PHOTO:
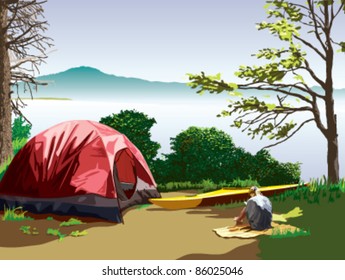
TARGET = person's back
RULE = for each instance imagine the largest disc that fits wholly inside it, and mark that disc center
(259, 212)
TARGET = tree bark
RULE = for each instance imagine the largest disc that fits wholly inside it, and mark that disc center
(332, 139)
(332, 160)
(5, 91)
(332, 134)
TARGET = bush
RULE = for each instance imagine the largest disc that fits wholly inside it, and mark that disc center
(268, 171)
(136, 126)
(198, 154)
(20, 135)
(20, 129)
(210, 154)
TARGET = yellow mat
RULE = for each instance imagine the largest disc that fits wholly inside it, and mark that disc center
(244, 231)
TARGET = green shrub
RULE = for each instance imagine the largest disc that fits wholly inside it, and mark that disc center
(210, 154)
(20, 129)
(136, 126)
(268, 171)
(177, 186)
(244, 183)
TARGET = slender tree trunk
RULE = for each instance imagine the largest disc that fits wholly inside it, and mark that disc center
(5, 91)
(333, 160)
(332, 139)
(332, 134)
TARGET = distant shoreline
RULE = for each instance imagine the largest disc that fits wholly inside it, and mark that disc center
(45, 98)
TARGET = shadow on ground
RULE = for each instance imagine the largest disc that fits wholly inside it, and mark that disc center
(13, 236)
(245, 252)
(209, 212)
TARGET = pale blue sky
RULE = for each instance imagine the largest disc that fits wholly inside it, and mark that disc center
(158, 40)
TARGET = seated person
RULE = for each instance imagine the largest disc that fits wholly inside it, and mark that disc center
(258, 211)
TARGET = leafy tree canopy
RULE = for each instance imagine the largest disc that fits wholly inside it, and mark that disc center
(136, 126)
(210, 154)
(303, 29)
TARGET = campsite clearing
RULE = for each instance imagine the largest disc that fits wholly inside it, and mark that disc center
(148, 233)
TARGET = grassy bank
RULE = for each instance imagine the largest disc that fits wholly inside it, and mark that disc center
(205, 185)
(323, 209)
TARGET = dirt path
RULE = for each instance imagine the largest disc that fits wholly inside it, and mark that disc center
(148, 233)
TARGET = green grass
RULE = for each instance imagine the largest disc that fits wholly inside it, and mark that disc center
(78, 233)
(205, 185)
(15, 214)
(4, 167)
(56, 232)
(25, 229)
(17, 144)
(28, 230)
(176, 186)
(143, 206)
(71, 222)
(323, 207)
(277, 233)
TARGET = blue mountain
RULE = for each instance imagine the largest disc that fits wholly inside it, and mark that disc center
(87, 83)
(90, 83)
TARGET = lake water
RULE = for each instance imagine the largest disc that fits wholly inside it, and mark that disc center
(307, 147)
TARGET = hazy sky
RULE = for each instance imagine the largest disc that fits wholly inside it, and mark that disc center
(158, 40)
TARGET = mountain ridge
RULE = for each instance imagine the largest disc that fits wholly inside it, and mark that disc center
(88, 83)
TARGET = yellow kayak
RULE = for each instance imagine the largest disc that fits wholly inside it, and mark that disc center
(222, 196)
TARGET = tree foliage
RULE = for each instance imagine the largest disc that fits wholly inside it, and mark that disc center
(200, 153)
(20, 129)
(303, 29)
(210, 154)
(136, 126)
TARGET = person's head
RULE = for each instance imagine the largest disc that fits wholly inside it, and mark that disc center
(253, 191)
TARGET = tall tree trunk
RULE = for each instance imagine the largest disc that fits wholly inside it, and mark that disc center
(5, 90)
(332, 134)
(332, 159)
(332, 139)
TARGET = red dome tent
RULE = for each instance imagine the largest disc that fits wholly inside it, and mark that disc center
(78, 168)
